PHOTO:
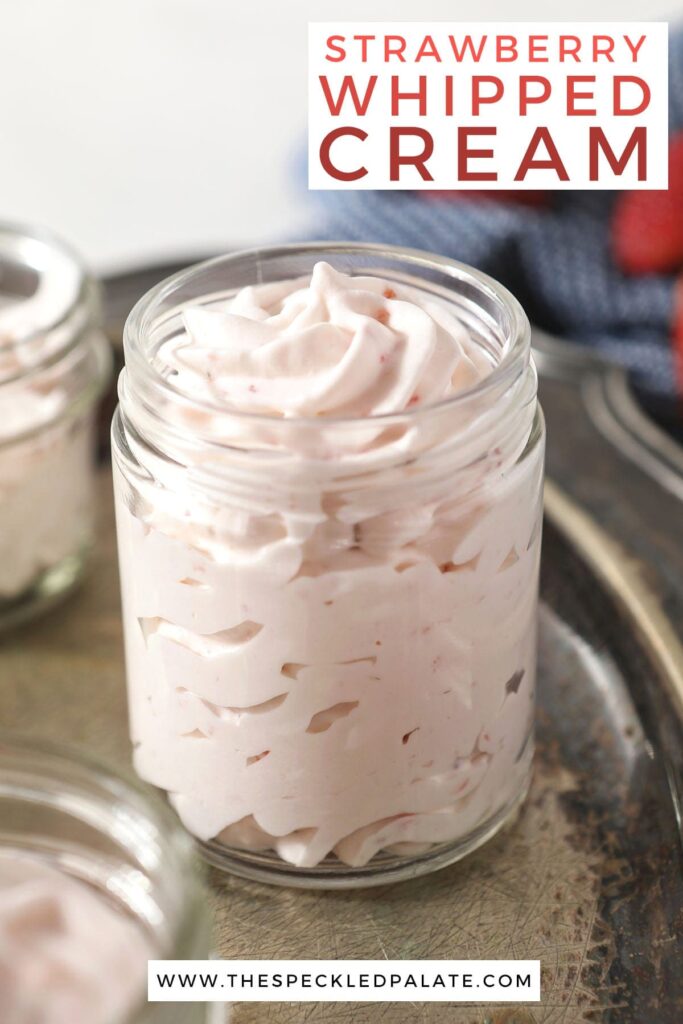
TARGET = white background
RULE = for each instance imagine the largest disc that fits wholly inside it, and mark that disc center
(158, 128)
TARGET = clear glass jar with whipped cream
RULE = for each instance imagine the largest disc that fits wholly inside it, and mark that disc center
(328, 467)
(54, 364)
(96, 877)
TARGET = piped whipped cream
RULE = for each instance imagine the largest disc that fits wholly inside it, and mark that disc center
(67, 955)
(336, 658)
(331, 345)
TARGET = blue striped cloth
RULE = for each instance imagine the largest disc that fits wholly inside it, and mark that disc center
(555, 258)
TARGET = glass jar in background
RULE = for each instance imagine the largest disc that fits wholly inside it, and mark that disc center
(54, 364)
(96, 877)
(330, 622)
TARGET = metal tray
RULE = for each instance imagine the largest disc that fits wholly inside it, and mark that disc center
(589, 878)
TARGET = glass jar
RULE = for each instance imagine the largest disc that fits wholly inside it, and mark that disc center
(330, 623)
(54, 364)
(122, 844)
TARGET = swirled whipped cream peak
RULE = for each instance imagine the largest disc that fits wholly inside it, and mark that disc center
(329, 345)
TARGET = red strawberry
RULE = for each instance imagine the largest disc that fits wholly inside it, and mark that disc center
(647, 229)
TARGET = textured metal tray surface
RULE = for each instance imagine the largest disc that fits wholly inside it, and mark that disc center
(588, 879)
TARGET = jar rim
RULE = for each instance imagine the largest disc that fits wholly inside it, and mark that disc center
(512, 363)
(67, 342)
(22, 243)
(47, 760)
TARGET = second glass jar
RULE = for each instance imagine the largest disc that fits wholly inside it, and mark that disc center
(54, 365)
(330, 623)
(96, 875)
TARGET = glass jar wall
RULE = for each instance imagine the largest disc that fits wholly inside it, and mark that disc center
(54, 364)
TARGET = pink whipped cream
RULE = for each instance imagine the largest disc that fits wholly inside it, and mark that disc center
(338, 656)
(329, 346)
(67, 955)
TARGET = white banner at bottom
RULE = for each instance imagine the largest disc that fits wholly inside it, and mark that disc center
(341, 981)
